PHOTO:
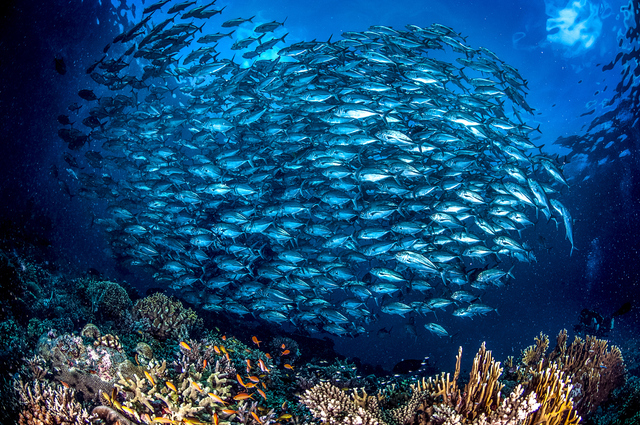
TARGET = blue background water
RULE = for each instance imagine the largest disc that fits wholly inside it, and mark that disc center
(558, 47)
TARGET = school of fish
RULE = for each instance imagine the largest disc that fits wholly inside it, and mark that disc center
(322, 185)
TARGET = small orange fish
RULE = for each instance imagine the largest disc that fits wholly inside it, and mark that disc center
(185, 346)
(282, 346)
(65, 384)
(255, 341)
(204, 364)
(288, 366)
(148, 375)
(224, 337)
(261, 393)
(267, 355)
(240, 381)
(227, 356)
(163, 420)
(248, 364)
(216, 398)
(229, 411)
(263, 367)
(197, 386)
(128, 410)
(285, 352)
(192, 421)
(145, 418)
(284, 405)
(256, 417)
(216, 419)
(171, 386)
(136, 357)
(263, 385)
(242, 396)
(253, 378)
(216, 349)
(250, 385)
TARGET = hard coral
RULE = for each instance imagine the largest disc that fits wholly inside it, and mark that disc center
(593, 370)
(108, 299)
(165, 317)
(46, 405)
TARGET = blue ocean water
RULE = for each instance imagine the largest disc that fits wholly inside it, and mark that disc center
(560, 48)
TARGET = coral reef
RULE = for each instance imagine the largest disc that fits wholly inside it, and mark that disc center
(587, 367)
(48, 405)
(545, 395)
(108, 299)
(164, 317)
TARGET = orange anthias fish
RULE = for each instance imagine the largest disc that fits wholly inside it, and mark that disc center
(282, 346)
(148, 375)
(267, 355)
(185, 345)
(171, 386)
(255, 341)
(163, 420)
(263, 367)
(240, 381)
(261, 393)
(288, 366)
(197, 386)
(285, 352)
(242, 396)
(216, 398)
(256, 417)
(216, 419)
(216, 349)
(253, 378)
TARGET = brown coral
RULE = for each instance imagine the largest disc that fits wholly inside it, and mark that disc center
(165, 317)
(592, 369)
(108, 340)
(108, 299)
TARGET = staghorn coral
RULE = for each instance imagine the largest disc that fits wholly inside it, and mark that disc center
(46, 405)
(330, 405)
(165, 317)
(159, 393)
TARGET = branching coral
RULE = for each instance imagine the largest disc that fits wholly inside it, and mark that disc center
(330, 405)
(165, 317)
(592, 369)
(46, 405)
